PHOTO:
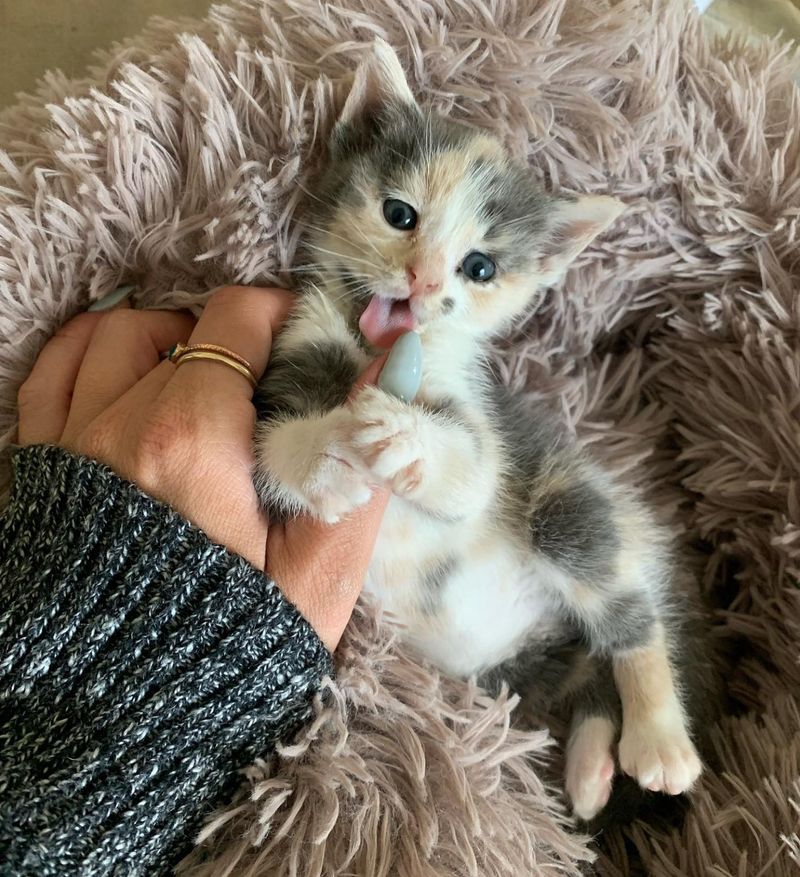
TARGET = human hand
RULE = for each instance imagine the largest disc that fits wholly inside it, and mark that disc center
(184, 436)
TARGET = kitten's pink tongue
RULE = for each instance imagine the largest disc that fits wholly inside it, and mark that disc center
(385, 320)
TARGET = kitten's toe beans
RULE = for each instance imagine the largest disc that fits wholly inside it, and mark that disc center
(387, 435)
(590, 767)
(682, 767)
(336, 486)
(660, 759)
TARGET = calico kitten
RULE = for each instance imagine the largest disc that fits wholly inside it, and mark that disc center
(503, 546)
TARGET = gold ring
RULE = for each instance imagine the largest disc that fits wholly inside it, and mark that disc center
(181, 353)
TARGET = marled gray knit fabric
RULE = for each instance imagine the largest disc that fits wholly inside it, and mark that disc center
(140, 666)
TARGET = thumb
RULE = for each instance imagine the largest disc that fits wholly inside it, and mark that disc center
(321, 567)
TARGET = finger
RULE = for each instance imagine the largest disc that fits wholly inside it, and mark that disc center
(44, 398)
(243, 320)
(141, 395)
(370, 374)
(126, 346)
(321, 567)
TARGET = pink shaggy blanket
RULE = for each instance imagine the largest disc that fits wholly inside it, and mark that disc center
(673, 347)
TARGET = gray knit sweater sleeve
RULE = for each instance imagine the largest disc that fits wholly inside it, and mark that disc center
(140, 666)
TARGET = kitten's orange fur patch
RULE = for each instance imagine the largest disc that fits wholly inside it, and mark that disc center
(644, 677)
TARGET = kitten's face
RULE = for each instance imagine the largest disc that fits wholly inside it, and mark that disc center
(424, 223)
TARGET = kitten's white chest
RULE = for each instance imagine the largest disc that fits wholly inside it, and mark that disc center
(492, 599)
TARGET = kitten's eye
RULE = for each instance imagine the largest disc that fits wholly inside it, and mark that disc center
(399, 214)
(478, 267)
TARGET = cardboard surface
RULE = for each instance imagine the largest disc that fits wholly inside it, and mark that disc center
(37, 35)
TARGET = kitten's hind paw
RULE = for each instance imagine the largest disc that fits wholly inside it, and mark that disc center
(660, 758)
(590, 766)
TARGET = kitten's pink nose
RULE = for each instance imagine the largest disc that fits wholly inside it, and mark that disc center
(422, 282)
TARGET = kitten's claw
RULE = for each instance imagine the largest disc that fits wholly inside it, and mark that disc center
(387, 434)
(659, 758)
(590, 767)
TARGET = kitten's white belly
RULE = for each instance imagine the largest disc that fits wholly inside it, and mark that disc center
(491, 602)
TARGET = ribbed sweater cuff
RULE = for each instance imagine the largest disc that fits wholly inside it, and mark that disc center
(140, 665)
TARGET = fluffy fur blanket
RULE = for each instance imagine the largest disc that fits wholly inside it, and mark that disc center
(673, 347)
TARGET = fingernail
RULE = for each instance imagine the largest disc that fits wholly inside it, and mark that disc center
(402, 374)
(113, 298)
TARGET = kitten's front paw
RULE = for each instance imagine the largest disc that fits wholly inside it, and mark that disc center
(310, 465)
(336, 484)
(388, 435)
(661, 758)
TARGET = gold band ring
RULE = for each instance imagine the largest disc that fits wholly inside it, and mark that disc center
(181, 353)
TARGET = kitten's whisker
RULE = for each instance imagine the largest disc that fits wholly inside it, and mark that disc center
(369, 241)
(366, 262)
(341, 238)
(317, 228)
(303, 189)
(517, 220)
(355, 278)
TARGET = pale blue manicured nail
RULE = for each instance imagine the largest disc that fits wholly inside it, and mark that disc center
(402, 373)
(113, 298)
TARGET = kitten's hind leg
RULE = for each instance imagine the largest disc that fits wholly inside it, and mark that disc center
(655, 748)
(614, 573)
(596, 712)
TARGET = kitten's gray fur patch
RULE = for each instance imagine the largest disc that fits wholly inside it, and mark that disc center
(528, 442)
(312, 379)
(516, 213)
(529, 437)
(597, 695)
(399, 135)
(626, 623)
(575, 530)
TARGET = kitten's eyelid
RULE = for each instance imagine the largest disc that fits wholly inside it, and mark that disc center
(394, 195)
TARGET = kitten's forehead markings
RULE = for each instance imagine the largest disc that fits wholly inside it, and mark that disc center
(449, 197)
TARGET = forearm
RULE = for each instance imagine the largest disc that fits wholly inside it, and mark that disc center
(140, 666)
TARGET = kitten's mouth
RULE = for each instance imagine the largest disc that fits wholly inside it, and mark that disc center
(385, 319)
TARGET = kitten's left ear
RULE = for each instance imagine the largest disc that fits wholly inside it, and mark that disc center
(379, 81)
(574, 225)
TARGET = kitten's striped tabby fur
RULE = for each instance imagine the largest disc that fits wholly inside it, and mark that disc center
(503, 549)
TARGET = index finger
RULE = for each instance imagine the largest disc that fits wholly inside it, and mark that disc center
(45, 397)
(241, 319)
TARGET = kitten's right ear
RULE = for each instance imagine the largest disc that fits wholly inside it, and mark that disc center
(379, 81)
